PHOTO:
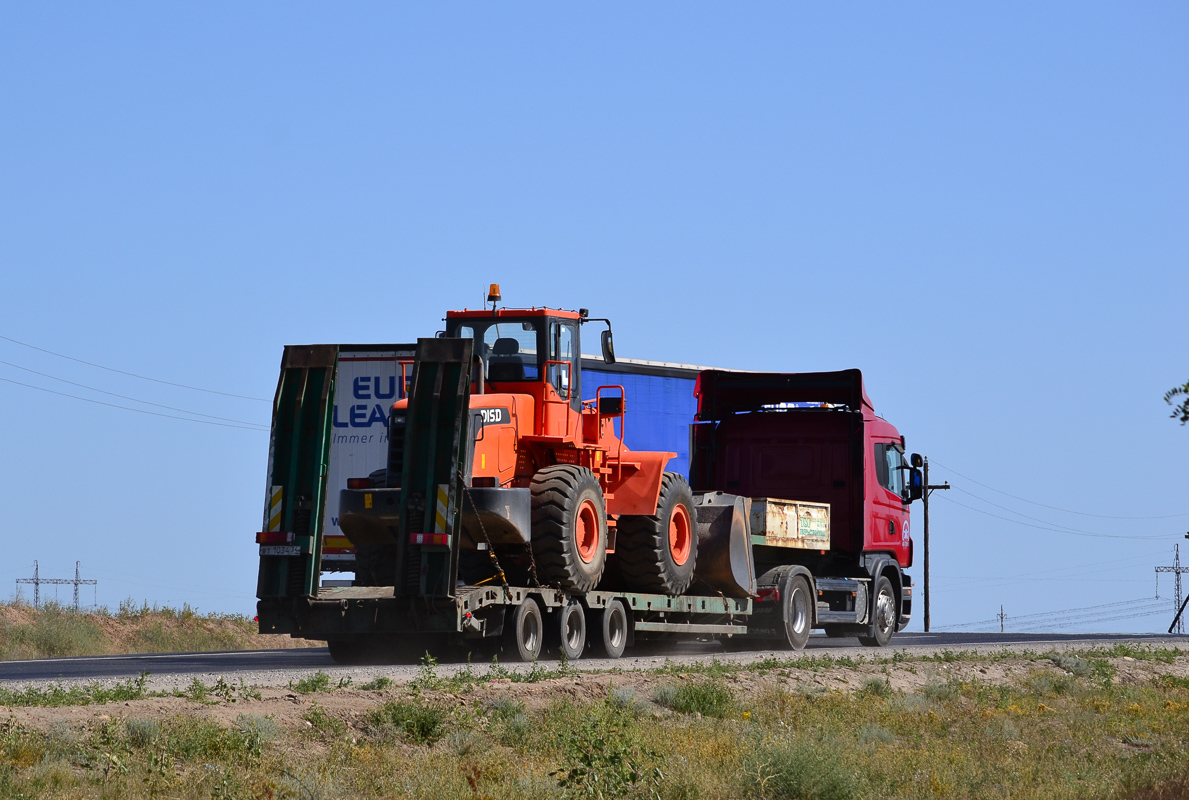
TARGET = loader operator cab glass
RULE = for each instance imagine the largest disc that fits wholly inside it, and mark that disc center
(522, 350)
(508, 348)
(562, 368)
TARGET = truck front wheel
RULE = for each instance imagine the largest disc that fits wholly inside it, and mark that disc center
(885, 615)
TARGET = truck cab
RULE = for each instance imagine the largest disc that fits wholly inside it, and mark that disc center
(815, 438)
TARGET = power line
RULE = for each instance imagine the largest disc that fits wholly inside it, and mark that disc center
(1011, 510)
(137, 410)
(131, 374)
(1054, 508)
(1041, 616)
(124, 396)
(1083, 609)
(1071, 623)
(1070, 531)
(1080, 568)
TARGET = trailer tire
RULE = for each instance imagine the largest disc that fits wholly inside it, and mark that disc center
(523, 632)
(657, 553)
(349, 651)
(569, 527)
(614, 627)
(569, 632)
(885, 615)
(796, 612)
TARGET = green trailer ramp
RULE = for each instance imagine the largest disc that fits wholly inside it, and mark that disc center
(291, 542)
(434, 469)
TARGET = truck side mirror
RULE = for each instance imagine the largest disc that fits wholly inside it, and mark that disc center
(608, 347)
(915, 488)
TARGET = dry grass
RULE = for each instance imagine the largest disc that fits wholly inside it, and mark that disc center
(1044, 728)
(55, 631)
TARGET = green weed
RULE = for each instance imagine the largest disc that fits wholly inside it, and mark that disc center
(709, 697)
(318, 682)
(797, 769)
(413, 721)
(90, 694)
(323, 722)
(605, 757)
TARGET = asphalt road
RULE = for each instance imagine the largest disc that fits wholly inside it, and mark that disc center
(270, 667)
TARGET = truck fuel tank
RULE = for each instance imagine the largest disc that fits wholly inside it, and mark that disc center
(725, 559)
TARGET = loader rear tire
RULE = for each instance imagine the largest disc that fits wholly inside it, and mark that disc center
(569, 527)
(657, 553)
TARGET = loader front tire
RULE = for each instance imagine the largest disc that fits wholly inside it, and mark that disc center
(657, 553)
(569, 527)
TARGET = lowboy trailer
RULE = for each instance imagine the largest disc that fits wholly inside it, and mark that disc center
(511, 511)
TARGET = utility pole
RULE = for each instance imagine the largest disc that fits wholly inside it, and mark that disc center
(1177, 570)
(925, 503)
(1002, 618)
(36, 581)
(80, 582)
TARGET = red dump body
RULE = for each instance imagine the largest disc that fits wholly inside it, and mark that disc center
(811, 437)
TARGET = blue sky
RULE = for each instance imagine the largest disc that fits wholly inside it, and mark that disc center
(981, 207)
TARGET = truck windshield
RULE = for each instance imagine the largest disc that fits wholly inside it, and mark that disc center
(508, 347)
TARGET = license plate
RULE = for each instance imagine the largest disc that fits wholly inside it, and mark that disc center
(280, 549)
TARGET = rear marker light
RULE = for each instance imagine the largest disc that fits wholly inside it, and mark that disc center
(274, 537)
(768, 595)
(429, 538)
(359, 483)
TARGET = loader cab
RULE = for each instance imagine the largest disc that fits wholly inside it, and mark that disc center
(525, 347)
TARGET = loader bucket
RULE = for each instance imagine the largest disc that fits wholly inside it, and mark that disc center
(725, 559)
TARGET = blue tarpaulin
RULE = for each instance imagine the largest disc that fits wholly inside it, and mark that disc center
(658, 411)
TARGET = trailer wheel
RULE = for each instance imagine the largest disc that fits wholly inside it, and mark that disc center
(570, 632)
(569, 527)
(348, 651)
(657, 553)
(885, 615)
(796, 615)
(612, 624)
(522, 634)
